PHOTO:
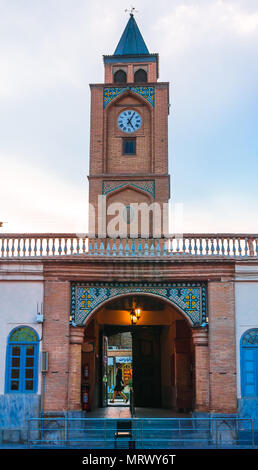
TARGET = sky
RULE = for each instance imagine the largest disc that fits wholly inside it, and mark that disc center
(50, 50)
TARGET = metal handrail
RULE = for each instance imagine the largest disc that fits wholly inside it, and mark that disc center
(146, 432)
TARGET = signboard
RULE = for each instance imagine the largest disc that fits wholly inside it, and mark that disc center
(123, 359)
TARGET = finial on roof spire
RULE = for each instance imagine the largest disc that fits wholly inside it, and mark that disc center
(131, 41)
(132, 11)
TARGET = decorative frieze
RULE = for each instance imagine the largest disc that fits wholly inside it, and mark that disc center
(189, 297)
(147, 92)
(148, 186)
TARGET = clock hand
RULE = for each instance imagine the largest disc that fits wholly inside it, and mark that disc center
(131, 117)
(129, 120)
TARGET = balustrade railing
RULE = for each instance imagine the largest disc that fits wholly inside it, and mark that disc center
(13, 245)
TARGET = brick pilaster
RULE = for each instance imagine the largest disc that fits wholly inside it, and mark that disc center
(223, 394)
(75, 364)
(200, 341)
(56, 342)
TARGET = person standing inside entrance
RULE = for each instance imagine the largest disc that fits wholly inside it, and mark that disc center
(119, 385)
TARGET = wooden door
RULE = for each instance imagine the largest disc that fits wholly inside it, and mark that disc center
(146, 367)
(184, 385)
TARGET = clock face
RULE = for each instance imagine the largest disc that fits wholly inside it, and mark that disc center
(129, 121)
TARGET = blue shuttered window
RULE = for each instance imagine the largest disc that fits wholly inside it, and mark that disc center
(22, 361)
(249, 363)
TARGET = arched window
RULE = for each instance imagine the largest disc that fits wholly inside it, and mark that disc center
(249, 363)
(120, 77)
(140, 76)
(22, 361)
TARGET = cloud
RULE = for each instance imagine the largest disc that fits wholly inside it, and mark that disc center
(52, 44)
(204, 23)
(50, 52)
(37, 201)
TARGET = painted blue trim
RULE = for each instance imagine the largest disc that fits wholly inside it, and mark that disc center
(129, 59)
(22, 363)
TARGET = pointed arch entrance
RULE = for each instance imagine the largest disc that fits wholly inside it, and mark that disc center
(160, 356)
(163, 349)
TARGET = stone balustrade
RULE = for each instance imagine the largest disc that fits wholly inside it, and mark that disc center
(48, 245)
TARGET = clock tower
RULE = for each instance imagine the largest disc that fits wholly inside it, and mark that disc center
(129, 142)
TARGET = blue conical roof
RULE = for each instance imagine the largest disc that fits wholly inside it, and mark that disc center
(131, 41)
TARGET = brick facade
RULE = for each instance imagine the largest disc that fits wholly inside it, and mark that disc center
(213, 347)
(107, 161)
(56, 342)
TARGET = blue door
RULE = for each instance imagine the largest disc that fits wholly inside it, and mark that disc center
(249, 363)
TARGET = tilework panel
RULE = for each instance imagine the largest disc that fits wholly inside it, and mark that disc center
(148, 186)
(146, 92)
(189, 297)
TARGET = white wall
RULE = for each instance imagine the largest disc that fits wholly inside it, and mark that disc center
(246, 305)
(21, 289)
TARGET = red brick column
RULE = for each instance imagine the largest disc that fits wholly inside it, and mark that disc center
(221, 307)
(75, 364)
(56, 342)
(200, 341)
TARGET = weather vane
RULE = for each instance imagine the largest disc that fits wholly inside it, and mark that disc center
(132, 11)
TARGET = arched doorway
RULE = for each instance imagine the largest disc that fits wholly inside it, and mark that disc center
(161, 353)
(249, 363)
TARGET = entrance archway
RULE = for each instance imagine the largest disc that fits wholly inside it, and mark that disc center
(162, 353)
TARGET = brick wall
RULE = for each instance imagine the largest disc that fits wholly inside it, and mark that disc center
(121, 340)
(222, 347)
(129, 69)
(56, 342)
(106, 157)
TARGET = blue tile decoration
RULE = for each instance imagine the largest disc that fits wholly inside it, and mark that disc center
(147, 92)
(148, 186)
(190, 297)
(110, 93)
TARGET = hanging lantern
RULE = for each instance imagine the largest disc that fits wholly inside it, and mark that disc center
(138, 312)
(133, 317)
